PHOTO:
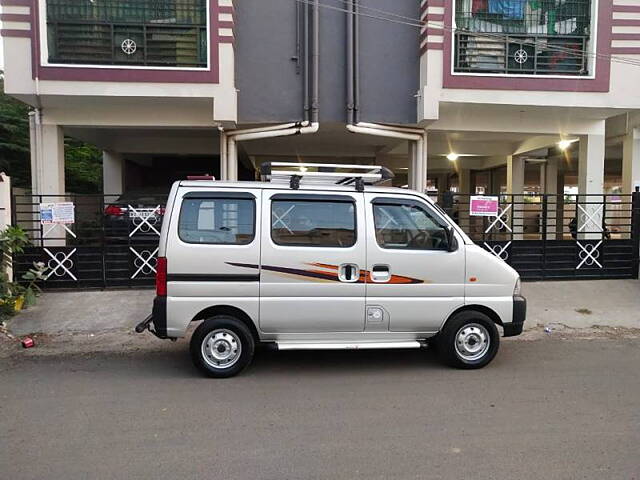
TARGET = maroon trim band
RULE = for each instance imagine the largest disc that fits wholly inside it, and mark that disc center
(431, 46)
(626, 8)
(625, 22)
(15, 17)
(16, 3)
(225, 24)
(15, 33)
(625, 36)
(625, 50)
(434, 17)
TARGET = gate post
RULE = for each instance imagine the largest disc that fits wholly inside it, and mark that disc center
(635, 230)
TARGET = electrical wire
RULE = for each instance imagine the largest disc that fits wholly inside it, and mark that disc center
(417, 23)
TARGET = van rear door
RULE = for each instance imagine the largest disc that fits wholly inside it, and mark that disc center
(313, 251)
(214, 248)
(415, 281)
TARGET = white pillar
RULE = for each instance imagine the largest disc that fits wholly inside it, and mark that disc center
(47, 157)
(47, 174)
(412, 166)
(232, 157)
(515, 189)
(5, 211)
(223, 156)
(631, 161)
(5, 201)
(112, 174)
(423, 164)
(551, 189)
(590, 182)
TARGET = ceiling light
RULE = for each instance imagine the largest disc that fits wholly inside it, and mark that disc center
(303, 169)
(453, 156)
(564, 144)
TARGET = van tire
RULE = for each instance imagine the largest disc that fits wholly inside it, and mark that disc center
(471, 330)
(231, 335)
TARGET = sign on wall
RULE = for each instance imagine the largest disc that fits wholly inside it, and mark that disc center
(483, 206)
(57, 213)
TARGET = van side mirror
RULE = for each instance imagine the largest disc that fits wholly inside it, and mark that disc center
(452, 244)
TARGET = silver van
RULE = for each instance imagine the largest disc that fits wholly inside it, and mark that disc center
(320, 258)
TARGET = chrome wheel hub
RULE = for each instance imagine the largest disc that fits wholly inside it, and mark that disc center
(472, 342)
(221, 348)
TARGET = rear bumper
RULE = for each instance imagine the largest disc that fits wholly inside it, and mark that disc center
(519, 314)
(156, 323)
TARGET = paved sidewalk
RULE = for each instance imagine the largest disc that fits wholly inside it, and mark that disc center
(579, 304)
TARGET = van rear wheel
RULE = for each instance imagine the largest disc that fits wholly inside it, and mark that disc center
(468, 340)
(222, 346)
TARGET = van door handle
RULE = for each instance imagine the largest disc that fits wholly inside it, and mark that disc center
(381, 273)
(349, 273)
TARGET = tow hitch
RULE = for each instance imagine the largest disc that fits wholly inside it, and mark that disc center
(144, 325)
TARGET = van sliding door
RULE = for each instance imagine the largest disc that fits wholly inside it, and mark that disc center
(312, 259)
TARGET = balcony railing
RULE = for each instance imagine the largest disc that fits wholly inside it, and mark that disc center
(541, 37)
(170, 33)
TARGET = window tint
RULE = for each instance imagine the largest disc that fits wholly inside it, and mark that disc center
(313, 223)
(408, 226)
(225, 221)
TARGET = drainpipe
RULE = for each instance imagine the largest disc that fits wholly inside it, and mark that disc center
(315, 99)
(236, 136)
(223, 153)
(307, 107)
(287, 129)
(350, 64)
(417, 135)
(356, 59)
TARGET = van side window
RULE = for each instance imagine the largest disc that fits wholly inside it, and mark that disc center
(313, 223)
(407, 226)
(218, 221)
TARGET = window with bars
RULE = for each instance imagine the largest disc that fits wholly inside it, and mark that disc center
(523, 37)
(159, 33)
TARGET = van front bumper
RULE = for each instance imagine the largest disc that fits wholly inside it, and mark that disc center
(519, 314)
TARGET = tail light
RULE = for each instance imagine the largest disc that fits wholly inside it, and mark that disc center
(161, 277)
(114, 210)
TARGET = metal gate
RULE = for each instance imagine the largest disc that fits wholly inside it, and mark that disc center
(557, 237)
(544, 237)
(110, 243)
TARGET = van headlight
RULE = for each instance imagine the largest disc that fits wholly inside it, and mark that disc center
(516, 289)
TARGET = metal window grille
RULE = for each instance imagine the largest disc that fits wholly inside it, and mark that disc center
(535, 37)
(120, 32)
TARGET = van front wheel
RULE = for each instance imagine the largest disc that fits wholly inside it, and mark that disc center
(468, 340)
(222, 346)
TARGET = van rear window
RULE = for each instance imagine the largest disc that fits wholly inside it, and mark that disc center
(313, 223)
(217, 221)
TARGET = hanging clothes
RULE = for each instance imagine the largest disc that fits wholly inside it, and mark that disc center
(509, 9)
(479, 6)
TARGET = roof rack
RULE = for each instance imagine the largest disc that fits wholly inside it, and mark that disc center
(296, 174)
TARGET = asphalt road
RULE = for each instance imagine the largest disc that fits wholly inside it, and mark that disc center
(545, 409)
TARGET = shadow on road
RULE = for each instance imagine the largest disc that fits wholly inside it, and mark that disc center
(174, 362)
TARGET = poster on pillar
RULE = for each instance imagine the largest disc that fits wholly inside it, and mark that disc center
(483, 206)
(57, 213)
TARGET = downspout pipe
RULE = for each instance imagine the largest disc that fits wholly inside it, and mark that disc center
(350, 63)
(417, 135)
(287, 129)
(356, 60)
(315, 95)
(233, 138)
(307, 79)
